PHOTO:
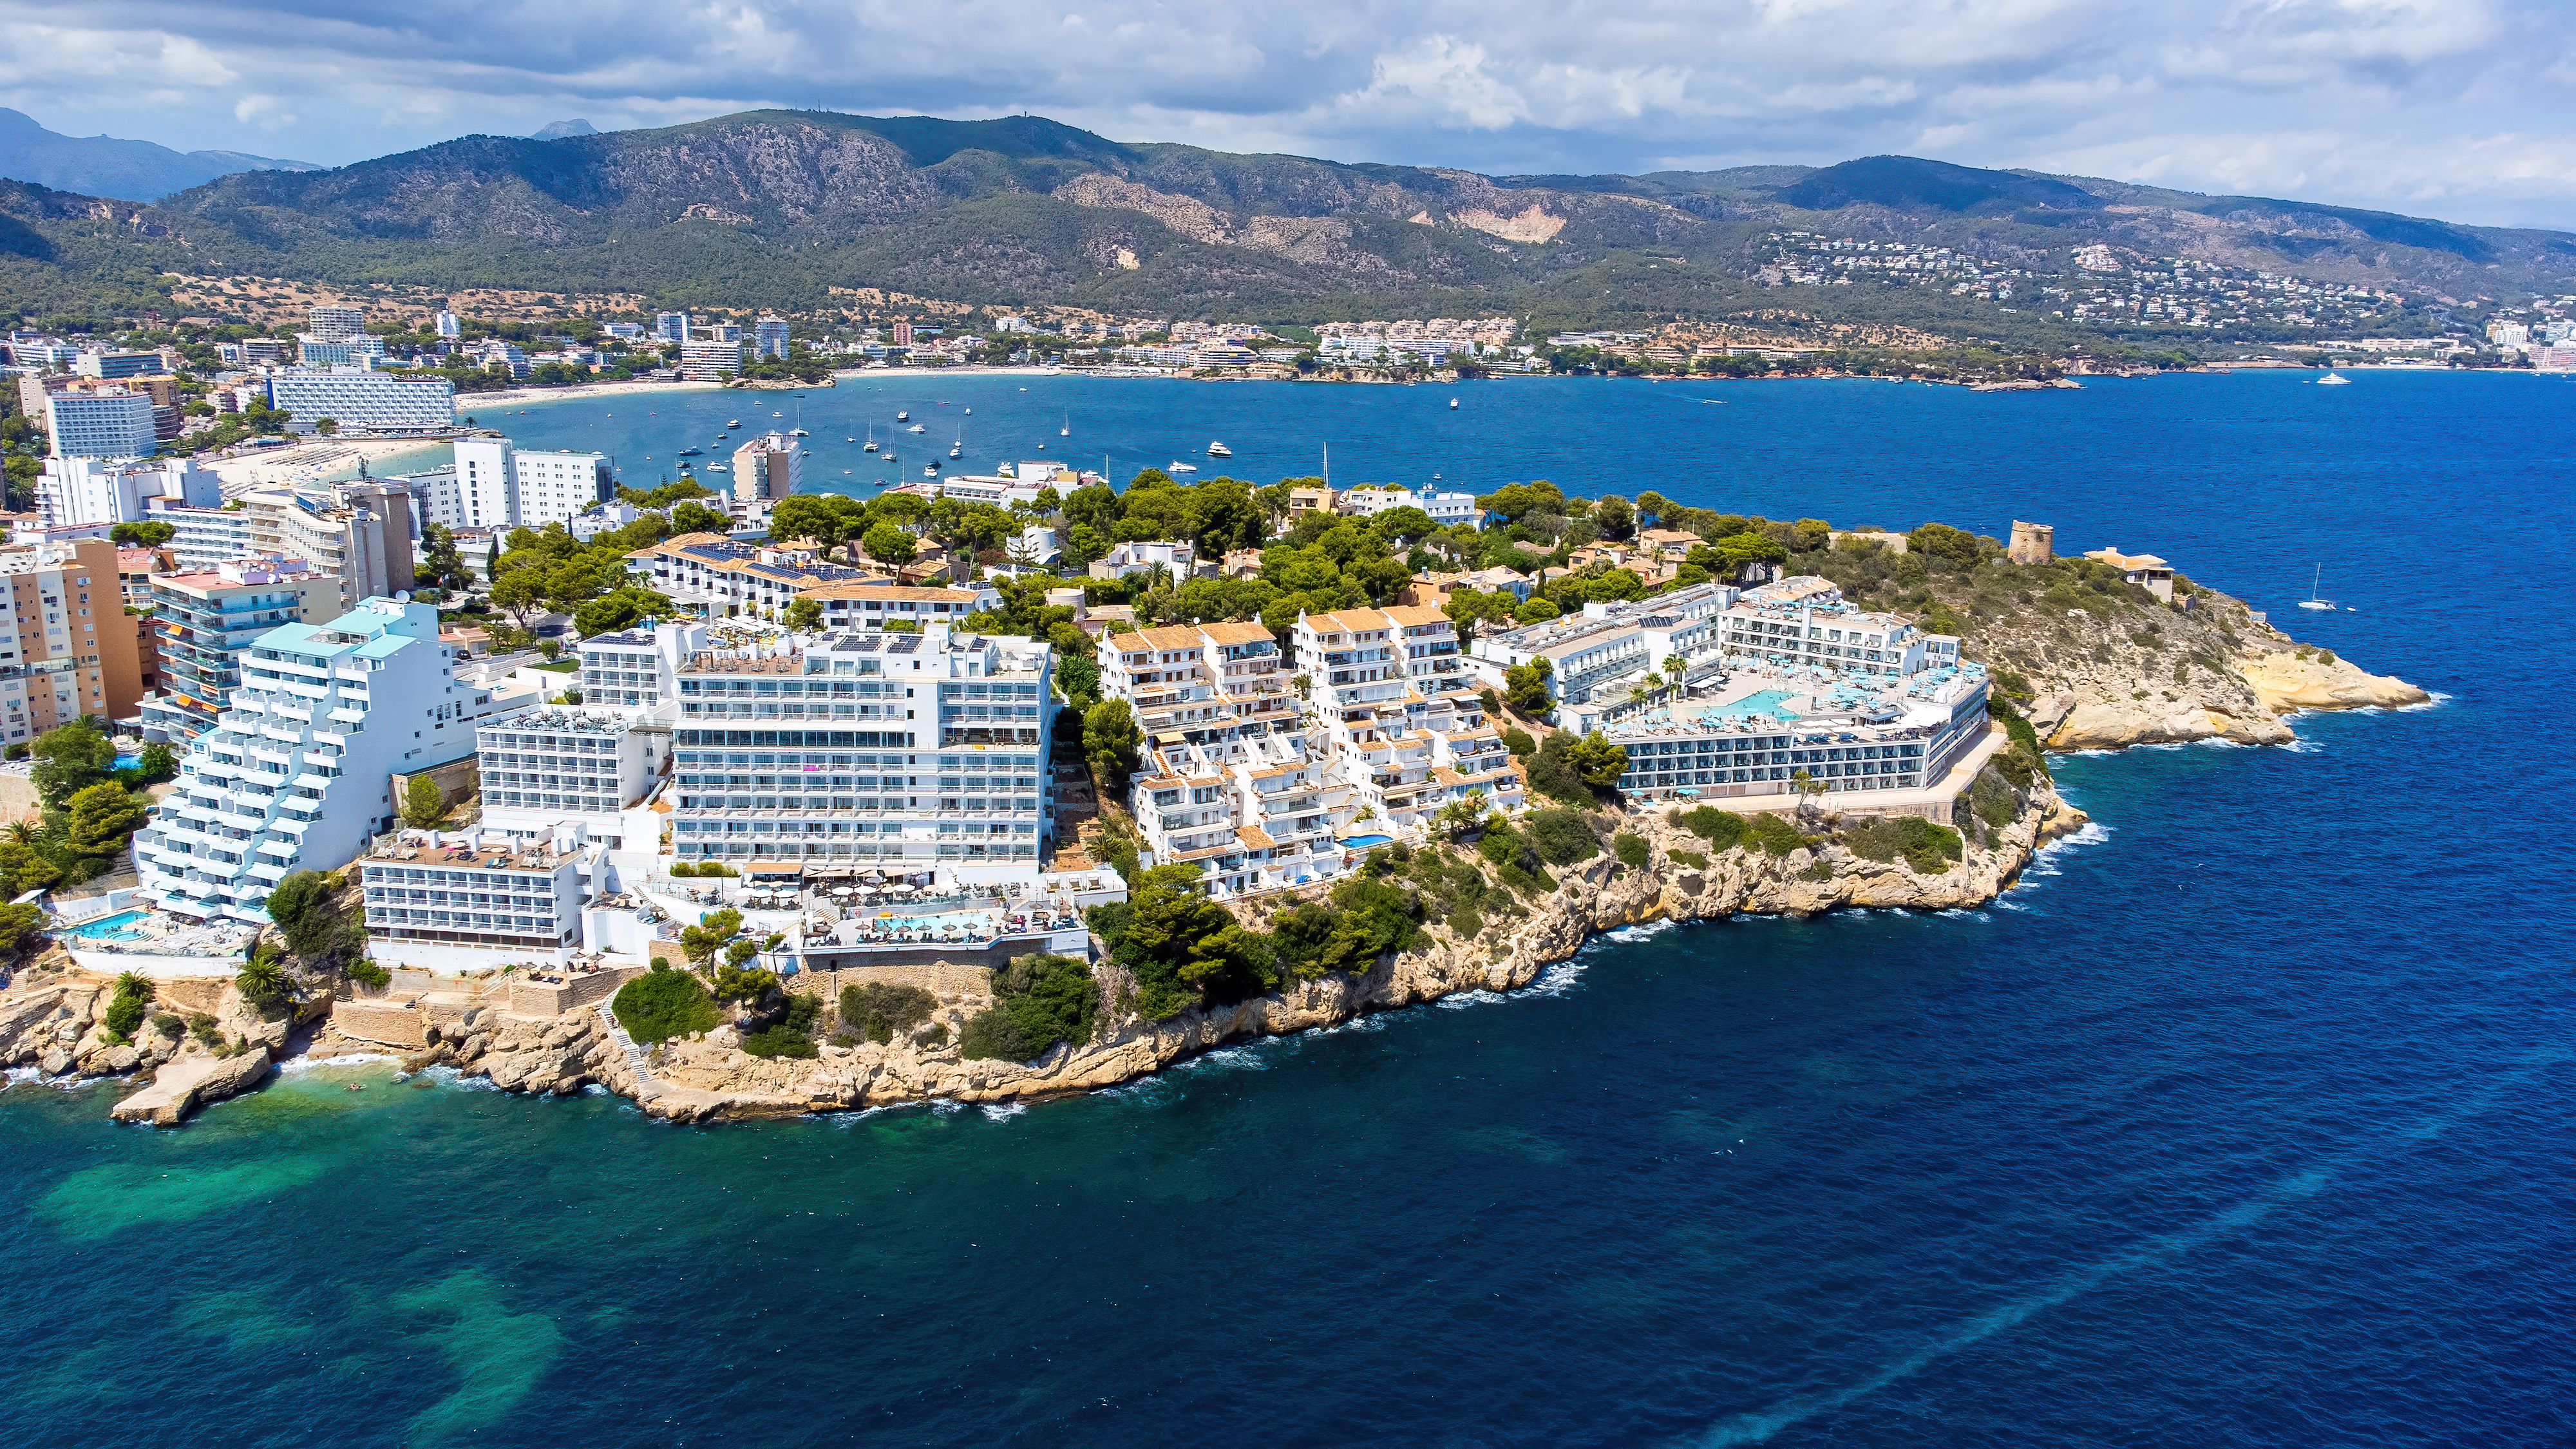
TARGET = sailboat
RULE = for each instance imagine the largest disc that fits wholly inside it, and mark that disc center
(958, 449)
(871, 445)
(2312, 601)
(1067, 430)
(797, 431)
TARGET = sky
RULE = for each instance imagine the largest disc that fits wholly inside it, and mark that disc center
(2461, 109)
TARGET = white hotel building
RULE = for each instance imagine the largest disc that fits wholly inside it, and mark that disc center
(296, 774)
(363, 401)
(906, 752)
(495, 485)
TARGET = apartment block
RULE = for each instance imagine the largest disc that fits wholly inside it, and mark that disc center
(76, 491)
(70, 644)
(203, 623)
(297, 773)
(454, 909)
(365, 401)
(359, 533)
(908, 751)
(1597, 655)
(767, 468)
(710, 361)
(101, 423)
(553, 768)
(496, 485)
(637, 669)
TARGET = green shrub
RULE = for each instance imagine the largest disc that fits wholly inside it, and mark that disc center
(683, 870)
(1691, 858)
(880, 1009)
(164, 1024)
(1818, 869)
(781, 1040)
(1561, 835)
(1524, 880)
(1517, 741)
(368, 973)
(1039, 1001)
(662, 1004)
(203, 1028)
(1928, 849)
(2325, 656)
(1466, 922)
(1365, 920)
(734, 983)
(125, 1014)
(1991, 800)
(1722, 829)
(1773, 833)
(1631, 849)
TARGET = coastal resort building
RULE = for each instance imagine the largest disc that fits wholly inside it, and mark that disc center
(205, 622)
(2143, 569)
(899, 752)
(297, 773)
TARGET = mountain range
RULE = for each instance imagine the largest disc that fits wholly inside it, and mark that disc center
(791, 209)
(107, 167)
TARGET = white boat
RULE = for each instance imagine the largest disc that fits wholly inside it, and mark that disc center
(872, 439)
(1219, 450)
(2312, 601)
(970, 412)
(958, 449)
(2333, 379)
(930, 469)
(903, 417)
(1179, 467)
(1453, 404)
(916, 428)
(1067, 430)
(733, 422)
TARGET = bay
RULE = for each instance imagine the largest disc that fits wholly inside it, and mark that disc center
(2240, 1123)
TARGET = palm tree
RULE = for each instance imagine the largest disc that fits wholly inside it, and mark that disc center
(21, 832)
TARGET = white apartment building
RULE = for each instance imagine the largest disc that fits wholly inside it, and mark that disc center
(1398, 715)
(497, 900)
(637, 669)
(203, 538)
(104, 423)
(297, 773)
(671, 326)
(337, 324)
(448, 325)
(359, 533)
(496, 485)
(1179, 556)
(553, 768)
(363, 401)
(710, 361)
(1804, 624)
(76, 491)
(1594, 654)
(1445, 509)
(909, 752)
(769, 338)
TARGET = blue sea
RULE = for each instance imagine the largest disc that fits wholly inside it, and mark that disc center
(2243, 1121)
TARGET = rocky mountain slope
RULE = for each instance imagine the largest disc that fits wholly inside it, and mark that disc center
(779, 208)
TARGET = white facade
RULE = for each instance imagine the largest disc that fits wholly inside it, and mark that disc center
(498, 901)
(496, 485)
(709, 361)
(204, 537)
(1593, 654)
(636, 669)
(296, 775)
(337, 324)
(107, 423)
(77, 491)
(359, 533)
(769, 338)
(671, 326)
(448, 326)
(912, 752)
(549, 768)
(1179, 556)
(365, 402)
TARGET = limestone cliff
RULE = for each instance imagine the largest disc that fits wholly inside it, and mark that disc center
(711, 1078)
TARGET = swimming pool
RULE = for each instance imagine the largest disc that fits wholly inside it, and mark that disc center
(127, 762)
(119, 927)
(1769, 701)
(1364, 842)
(973, 923)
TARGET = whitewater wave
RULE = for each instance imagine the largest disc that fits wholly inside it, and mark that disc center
(447, 1076)
(1461, 1000)
(1005, 1111)
(295, 1066)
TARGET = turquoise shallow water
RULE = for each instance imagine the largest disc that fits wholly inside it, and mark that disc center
(2241, 1123)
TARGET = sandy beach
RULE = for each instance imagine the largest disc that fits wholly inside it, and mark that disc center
(320, 458)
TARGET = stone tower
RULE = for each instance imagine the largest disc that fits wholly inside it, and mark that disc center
(2033, 543)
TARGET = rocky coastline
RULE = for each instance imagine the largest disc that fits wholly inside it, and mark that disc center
(711, 1078)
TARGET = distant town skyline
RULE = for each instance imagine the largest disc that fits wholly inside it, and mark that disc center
(2458, 110)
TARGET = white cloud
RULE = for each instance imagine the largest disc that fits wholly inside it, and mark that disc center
(2460, 104)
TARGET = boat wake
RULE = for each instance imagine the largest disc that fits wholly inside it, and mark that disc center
(1754, 1428)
